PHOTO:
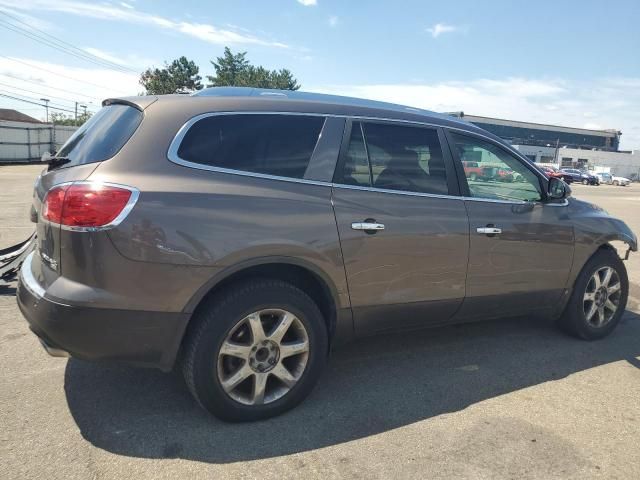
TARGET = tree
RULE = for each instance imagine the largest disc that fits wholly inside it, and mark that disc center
(59, 118)
(235, 70)
(179, 76)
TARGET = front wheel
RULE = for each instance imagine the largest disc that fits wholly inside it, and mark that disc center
(256, 351)
(599, 297)
(585, 182)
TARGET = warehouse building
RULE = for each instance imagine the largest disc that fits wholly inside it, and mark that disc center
(596, 150)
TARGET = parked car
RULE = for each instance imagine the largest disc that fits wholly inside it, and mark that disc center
(554, 172)
(605, 178)
(621, 181)
(581, 176)
(473, 171)
(240, 234)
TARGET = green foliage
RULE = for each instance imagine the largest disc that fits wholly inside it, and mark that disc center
(235, 70)
(59, 118)
(179, 76)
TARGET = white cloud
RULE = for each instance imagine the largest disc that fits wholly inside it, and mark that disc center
(333, 21)
(608, 103)
(126, 5)
(308, 3)
(59, 82)
(202, 31)
(440, 28)
(104, 55)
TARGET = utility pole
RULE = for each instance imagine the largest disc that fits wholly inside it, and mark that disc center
(46, 107)
(84, 114)
(75, 117)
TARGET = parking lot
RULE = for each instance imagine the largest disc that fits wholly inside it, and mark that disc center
(504, 399)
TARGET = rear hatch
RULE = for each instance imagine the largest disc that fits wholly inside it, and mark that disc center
(99, 139)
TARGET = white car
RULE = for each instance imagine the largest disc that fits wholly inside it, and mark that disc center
(609, 179)
(622, 181)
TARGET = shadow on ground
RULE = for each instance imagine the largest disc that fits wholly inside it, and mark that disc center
(369, 387)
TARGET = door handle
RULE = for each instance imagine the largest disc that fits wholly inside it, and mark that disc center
(367, 226)
(489, 230)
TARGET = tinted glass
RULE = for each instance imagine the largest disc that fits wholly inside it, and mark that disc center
(102, 136)
(499, 175)
(405, 158)
(269, 144)
(356, 165)
(400, 158)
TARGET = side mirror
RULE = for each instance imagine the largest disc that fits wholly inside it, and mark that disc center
(557, 189)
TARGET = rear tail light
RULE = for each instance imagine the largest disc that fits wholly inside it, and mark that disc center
(88, 205)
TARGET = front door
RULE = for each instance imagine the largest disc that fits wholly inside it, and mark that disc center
(404, 238)
(521, 247)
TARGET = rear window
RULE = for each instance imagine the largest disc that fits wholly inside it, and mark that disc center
(102, 136)
(279, 145)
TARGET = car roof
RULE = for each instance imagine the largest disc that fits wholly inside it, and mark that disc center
(259, 99)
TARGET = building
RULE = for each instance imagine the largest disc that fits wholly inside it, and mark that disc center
(596, 150)
(9, 115)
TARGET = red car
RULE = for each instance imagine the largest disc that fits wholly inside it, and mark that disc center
(472, 170)
(554, 172)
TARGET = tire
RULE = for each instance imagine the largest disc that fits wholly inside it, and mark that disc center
(228, 318)
(473, 177)
(585, 182)
(574, 320)
(616, 183)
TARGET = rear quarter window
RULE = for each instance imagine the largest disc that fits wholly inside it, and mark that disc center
(279, 145)
(102, 136)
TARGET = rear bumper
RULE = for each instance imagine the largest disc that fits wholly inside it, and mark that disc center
(132, 336)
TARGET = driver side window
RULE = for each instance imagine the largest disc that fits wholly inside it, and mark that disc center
(493, 173)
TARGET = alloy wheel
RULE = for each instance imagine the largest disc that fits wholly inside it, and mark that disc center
(602, 297)
(263, 357)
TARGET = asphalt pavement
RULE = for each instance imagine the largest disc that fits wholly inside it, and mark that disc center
(503, 399)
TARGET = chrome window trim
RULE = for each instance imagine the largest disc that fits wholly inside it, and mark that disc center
(172, 154)
(28, 280)
(133, 199)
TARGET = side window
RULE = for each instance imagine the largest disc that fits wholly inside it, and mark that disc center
(395, 157)
(279, 145)
(493, 173)
(356, 164)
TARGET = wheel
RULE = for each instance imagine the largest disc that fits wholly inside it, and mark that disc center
(616, 183)
(599, 297)
(585, 182)
(256, 350)
(473, 177)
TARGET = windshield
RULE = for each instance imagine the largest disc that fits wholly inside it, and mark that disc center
(102, 136)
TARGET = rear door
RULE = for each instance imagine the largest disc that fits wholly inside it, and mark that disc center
(404, 234)
(521, 247)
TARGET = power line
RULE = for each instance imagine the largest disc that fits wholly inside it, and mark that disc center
(37, 93)
(65, 44)
(35, 99)
(82, 56)
(56, 73)
(49, 87)
(35, 103)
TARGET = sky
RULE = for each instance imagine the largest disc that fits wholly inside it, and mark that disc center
(574, 63)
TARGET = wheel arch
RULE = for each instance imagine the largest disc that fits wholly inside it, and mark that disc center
(312, 280)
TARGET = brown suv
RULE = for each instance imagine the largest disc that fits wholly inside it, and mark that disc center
(241, 233)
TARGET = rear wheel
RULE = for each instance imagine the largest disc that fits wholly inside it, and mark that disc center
(256, 351)
(599, 297)
(585, 182)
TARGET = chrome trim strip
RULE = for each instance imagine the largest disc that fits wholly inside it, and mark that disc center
(172, 154)
(133, 199)
(28, 280)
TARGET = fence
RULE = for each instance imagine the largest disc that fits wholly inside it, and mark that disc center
(26, 142)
